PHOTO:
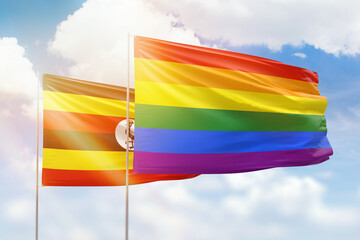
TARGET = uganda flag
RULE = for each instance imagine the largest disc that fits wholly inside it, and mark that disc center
(79, 145)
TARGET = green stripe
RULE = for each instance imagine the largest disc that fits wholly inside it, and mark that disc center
(164, 117)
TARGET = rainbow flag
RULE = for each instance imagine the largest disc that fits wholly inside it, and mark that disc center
(202, 110)
(79, 145)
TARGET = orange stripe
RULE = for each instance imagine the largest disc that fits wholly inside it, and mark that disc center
(195, 75)
(56, 177)
(176, 52)
(80, 122)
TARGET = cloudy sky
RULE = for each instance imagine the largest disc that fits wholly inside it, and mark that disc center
(87, 40)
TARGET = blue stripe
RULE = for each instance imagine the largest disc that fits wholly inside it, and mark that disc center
(193, 141)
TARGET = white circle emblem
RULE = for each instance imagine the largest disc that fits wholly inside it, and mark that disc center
(121, 133)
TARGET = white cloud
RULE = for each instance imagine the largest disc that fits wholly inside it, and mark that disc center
(275, 204)
(95, 37)
(286, 195)
(81, 233)
(18, 210)
(179, 194)
(18, 110)
(19, 163)
(30, 109)
(271, 202)
(326, 175)
(24, 160)
(300, 55)
(16, 75)
(6, 112)
(18, 80)
(331, 25)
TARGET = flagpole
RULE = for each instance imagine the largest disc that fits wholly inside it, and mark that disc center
(37, 161)
(127, 146)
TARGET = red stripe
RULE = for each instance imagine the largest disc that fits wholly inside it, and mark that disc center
(56, 177)
(80, 122)
(176, 52)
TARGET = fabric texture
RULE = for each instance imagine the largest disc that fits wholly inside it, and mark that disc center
(79, 143)
(201, 110)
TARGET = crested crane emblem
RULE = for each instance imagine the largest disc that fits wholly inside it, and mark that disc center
(121, 133)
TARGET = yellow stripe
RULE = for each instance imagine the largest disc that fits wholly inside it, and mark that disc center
(164, 94)
(195, 75)
(85, 160)
(68, 102)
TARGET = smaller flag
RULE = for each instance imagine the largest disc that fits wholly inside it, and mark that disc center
(79, 141)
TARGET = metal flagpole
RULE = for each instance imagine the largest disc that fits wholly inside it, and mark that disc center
(127, 146)
(37, 162)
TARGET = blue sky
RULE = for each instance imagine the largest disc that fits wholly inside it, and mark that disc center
(87, 40)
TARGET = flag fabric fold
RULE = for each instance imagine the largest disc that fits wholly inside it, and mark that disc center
(202, 110)
(79, 143)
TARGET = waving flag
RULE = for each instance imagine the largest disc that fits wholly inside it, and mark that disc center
(202, 110)
(80, 148)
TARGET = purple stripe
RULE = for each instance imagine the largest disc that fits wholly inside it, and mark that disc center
(173, 163)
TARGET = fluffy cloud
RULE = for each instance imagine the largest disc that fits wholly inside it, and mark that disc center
(18, 109)
(16, 75)
(268, 204)
(331, 25)
(95, 37)
(18, 81)
(286, 196)
(300, 55)
(18, 210)
(271, 202)
(82, 233)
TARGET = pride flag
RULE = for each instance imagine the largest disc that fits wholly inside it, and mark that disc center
(202, 110)
(79, 147)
